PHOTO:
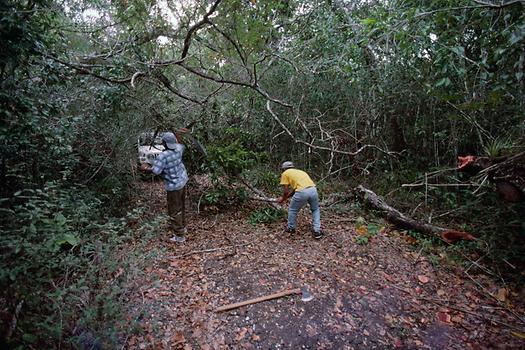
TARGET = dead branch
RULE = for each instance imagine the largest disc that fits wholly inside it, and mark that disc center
(488, 293)
(334, 198)
(441, 185)
(514, 158)
(395, 216)
(263, 199)
(296, 140)
(259, 299)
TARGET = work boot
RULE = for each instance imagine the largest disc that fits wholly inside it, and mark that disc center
(290, 230)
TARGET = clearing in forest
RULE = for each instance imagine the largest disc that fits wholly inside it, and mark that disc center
(380, 294)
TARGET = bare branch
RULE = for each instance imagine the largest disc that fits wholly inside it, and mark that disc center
(238, 83)
(237, 48)
(166, 83)
(205, 20)
(330, 149)
(498, 6)
(84, 70)
(135, 76)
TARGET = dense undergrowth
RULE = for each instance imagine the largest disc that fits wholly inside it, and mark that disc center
(498, 226)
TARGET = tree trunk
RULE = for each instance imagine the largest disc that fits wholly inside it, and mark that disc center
(399, 219)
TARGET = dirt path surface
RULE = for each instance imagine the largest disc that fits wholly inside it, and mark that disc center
(381, 295)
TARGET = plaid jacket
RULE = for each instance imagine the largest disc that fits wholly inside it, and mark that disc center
(169, 165)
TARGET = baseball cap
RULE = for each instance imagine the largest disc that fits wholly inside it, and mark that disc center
(170, 140)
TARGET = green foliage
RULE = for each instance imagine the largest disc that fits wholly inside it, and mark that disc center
(365, 232)
(266, 216)
(498, 148)
(265, 179)
(58, 239)
(57, 254)
(233, 153)
(232, 159)
(361, 240)
(227, 160)
(373, 229)
(219, 195)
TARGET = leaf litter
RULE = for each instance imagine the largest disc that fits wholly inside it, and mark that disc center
(370, 296)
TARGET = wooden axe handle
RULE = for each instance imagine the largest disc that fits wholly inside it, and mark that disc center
(259, 299)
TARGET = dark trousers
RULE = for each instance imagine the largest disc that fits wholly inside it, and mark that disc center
(176, 210)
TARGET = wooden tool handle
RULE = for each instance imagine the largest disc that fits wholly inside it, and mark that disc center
(259, 299)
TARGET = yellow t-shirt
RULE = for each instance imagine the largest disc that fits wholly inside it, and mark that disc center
(296, 179)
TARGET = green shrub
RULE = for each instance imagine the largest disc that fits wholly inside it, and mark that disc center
(58, 252)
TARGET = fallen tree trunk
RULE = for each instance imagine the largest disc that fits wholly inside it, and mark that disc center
(396, 217)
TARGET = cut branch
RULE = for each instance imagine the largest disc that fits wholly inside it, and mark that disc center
(261, 196)
(396, 217)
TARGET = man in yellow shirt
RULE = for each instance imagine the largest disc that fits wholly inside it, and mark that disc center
(298, 185)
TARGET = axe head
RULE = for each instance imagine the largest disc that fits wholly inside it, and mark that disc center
(305, 294)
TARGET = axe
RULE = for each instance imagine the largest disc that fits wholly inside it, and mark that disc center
(305, 296)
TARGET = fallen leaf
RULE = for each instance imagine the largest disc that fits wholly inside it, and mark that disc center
(338, 304)
(502, 294)
(362, 230)
(178, 338)
(255, 337)
(457, 319)
(423, 279)
(241, 334)
(444, 317)
(311, 331)
(440, 292)
(410, 239)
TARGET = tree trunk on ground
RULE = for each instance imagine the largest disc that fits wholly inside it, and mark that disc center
(399, 219)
